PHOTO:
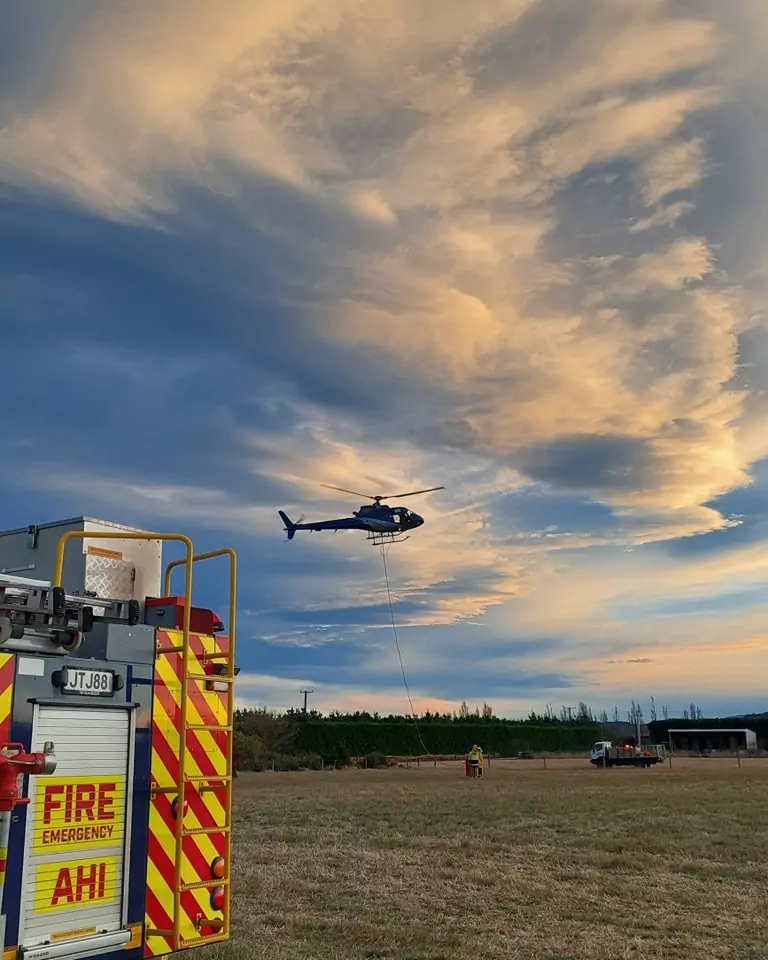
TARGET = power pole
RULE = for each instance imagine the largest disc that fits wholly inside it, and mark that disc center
(306, 693)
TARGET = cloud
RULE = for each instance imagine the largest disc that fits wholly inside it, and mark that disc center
(665, 216)
(615, 128)
(678, 165)
(633, 660)
(671, 268)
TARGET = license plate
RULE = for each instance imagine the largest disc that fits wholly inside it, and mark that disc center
(93, 683)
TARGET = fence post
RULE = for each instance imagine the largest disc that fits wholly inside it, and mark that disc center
(365, 761)
(545, 761)
(670, 759)
(322, 765)
(738, 756)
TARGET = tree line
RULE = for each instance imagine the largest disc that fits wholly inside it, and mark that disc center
(297, 739)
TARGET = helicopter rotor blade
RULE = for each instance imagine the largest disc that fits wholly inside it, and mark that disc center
(397, 496)
(354, 493)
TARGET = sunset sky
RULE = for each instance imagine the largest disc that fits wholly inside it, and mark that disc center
(518, 248)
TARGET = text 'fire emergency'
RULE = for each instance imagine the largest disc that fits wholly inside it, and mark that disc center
(79, 811)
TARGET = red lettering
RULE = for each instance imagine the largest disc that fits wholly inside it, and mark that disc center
(87, 881)
(102, 880)
(68, 808)
(85, 801)
(49, 803)
(63, 888)
(106, 799)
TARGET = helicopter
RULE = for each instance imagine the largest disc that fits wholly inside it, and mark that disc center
(381, 522)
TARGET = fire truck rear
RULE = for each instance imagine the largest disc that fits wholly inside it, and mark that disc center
(116, 706)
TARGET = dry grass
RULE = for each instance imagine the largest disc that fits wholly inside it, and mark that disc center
(570, 863)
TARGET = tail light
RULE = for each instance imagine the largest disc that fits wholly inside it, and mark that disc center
(217, 898)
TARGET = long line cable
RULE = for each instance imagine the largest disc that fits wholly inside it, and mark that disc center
(399, 652)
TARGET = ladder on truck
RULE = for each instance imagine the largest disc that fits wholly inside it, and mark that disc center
(183, 782)
(203, 784)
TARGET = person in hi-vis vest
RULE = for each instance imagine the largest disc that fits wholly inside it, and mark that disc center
(476, 761)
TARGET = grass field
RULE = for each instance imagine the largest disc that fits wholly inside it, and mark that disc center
(568, 862)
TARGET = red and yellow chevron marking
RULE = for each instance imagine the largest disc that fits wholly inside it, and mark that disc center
(206, 757)
(7, 674)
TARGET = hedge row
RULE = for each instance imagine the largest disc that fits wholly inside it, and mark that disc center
(329, 737)
(261, 737)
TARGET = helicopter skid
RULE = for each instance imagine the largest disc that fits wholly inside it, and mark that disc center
(379, 539)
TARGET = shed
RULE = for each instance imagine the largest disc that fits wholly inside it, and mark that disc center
(713, 738)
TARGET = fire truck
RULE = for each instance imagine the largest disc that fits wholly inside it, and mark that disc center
(116, 713)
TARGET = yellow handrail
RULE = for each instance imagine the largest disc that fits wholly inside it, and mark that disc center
(131, 535)
(225, 551)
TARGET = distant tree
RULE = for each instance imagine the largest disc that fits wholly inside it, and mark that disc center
(699, 713)
(271, 732)
(487, 711)
(654, 715)
(476, 713)
(583, 713)
(665, 712)
(603, 716)
(685, 714)
(616, 716)
(464, 710)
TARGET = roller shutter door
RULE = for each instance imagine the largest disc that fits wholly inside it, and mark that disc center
(77, 828)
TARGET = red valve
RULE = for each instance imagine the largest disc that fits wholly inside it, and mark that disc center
(11, 768)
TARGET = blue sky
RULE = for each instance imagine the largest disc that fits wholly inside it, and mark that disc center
(517, 249)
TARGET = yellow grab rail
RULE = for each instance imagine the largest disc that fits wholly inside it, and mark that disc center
(229, 552)
(225, 551)
(131, 535)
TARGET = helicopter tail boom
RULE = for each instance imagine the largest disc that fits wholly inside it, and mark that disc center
(290, 526)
